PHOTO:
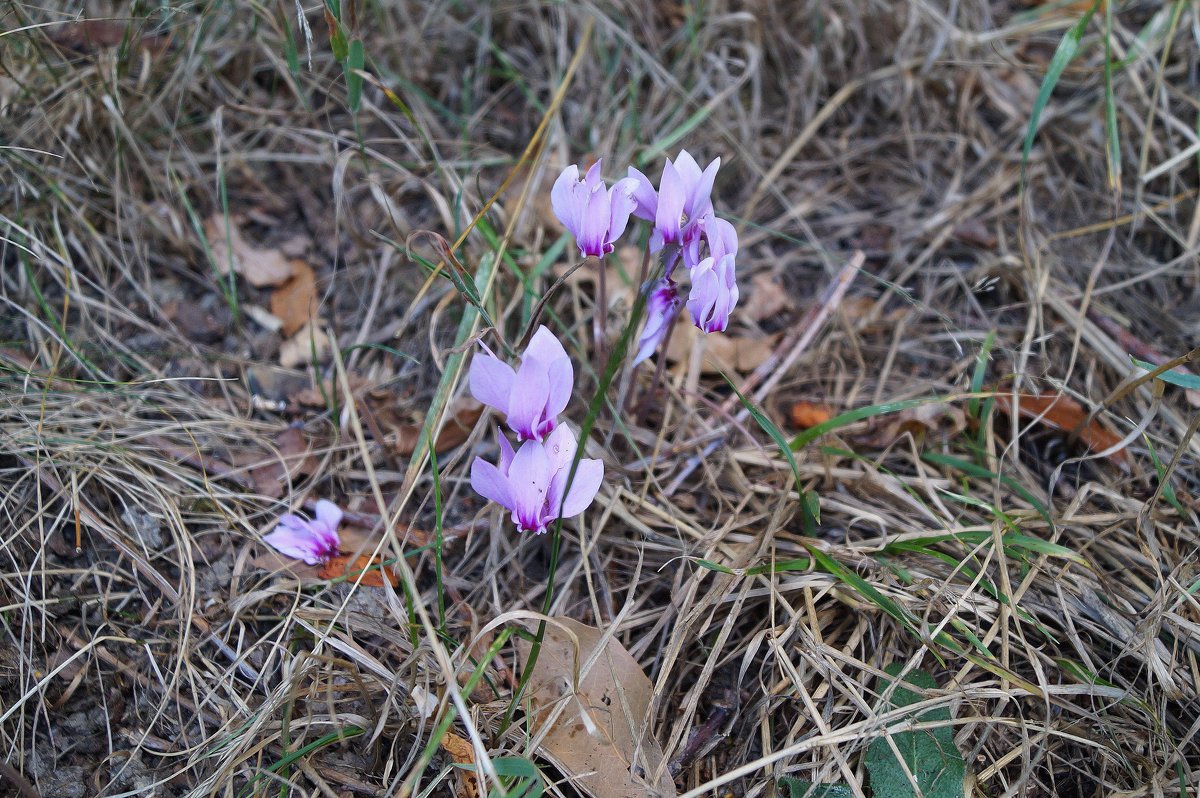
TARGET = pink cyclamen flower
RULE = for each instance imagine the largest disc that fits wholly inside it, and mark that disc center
(662, 304)
(533, 395)
(714, 293)
(532, 482)
(313, 541)
(595, 215)
(719, 235)
(683, 196)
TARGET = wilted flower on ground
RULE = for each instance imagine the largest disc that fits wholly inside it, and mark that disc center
(532, 483)
(662, 303)
(683, 196)
(594, 214)
(714, 293)
(313, 541)
(532, 396)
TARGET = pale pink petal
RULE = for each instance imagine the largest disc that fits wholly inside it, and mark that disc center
(583, 488)
(687, 168)
(329, 514)
(545, 347)
(527, 402)
(593, 225)
(644, 196)
(722, 237)
(593, 178)
(662, 303)
(621, 205)
(528, 480)
(292, 543)
(491, 381)
(561, 376)
(490, 483)
(670, 205)
(698, 200)
(560, 447)
(562, 198)
(506, 451)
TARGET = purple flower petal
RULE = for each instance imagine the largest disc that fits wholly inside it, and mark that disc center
(584, 487)
(546, 347)
(662, 303)
(644, 196)
(289, 542)
(562, 197)
(490, 483)
(669, 215)
(527, 402)
(528, 480)
(506, 452)
(699, 199)
(561, 376)
(560, 447)
(621, 204)
(491, 381)
(329, 514)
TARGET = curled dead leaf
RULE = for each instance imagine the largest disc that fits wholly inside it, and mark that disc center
(260, 267)
(460, 750)
(295, 459)
(349, 567)
(1062, 413)
(309, 344)
(809, 414)
(464, 412)
(295, 302)
(596, 703)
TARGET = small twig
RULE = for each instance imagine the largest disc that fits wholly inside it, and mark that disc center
(22, 784)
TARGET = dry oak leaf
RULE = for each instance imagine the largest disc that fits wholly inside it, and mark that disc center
(260, 267)
(295, 302)
(1063, 413)
(348, 567)
(309, 344)
(722, 353)
(462, 753)
(597, 704)
(464, 412)
(295, 459)
(768, 298)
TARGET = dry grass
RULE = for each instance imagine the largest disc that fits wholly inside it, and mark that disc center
(162, 657)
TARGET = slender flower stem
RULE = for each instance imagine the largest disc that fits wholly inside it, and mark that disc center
(600, 314)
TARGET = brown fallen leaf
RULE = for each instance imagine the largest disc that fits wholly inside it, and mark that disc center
(349, 567)
(295, 459)
(600, 738)
(260, 267)
(310, 343)
(90, 35)
(809, 414)
(464, 412)
(767, 298)
(460, 750)
(1063, 413)
(920, 420)
(722, 352)
(295, 302)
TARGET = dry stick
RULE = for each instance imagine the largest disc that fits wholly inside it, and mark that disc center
(773, 368)
(23, 786)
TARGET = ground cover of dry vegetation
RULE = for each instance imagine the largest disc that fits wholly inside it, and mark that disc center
(1026, 537)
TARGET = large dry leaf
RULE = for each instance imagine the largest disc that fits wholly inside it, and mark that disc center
(601, 738)
(260, 267)
(311, 343)
(1066, 415)
(722, 352)
(295, 302)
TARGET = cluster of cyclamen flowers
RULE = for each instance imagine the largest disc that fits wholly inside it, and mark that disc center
(534, 482)
(685, 229)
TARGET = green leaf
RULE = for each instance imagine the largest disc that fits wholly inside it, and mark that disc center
(930, 755)
(1067, 48)
(799, 788)
(355, 61)
(853, 416)
(1172, 377)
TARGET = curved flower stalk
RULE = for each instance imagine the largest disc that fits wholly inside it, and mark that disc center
(532, 396)
(595, 215)
(532, 482)
(313, 541)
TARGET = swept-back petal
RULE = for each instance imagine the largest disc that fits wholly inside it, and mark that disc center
(593, 225)
(560, 447)
(583, 488)
(527, 402)
(506, 451)
(545, 346)
(721, 235)
(563, 197)
(700, 191)
(491, 381)
(490, 483)
(644, 196)
(561, 377)
(621, 204)
(329, 514)
(593, 177)
(528, 480)
(670, 205)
